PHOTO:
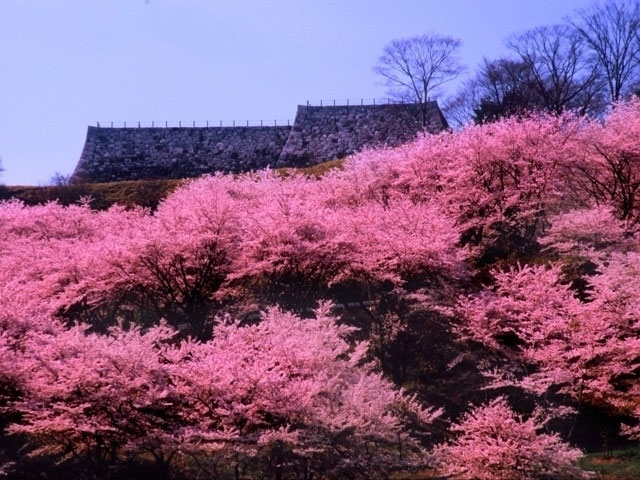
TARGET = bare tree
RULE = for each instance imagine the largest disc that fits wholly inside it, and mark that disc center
(499, 88)
(59, 179)
(562, 75)
(505, 87)
(612, 33)
(414, 68)
(459, 109)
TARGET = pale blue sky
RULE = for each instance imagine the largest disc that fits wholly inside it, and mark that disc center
(65, 64)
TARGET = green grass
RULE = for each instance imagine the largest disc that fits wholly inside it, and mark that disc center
(427, 474)
(621, 464)
(614, 465)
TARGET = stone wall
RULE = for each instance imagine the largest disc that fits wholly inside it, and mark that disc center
(112, 154)
(318, 134)
(324, 133)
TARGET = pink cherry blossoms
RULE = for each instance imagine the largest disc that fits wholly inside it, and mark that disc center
(284, 388)
(132, 339)
(492, 442)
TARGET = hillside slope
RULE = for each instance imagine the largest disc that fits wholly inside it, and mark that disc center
(129, 193)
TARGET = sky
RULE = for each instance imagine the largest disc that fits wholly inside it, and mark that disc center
(67, 64)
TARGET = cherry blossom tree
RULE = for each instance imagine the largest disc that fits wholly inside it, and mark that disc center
(606, 167)
(105, 266)
(59, 251)
(92, 398)
(492, 442)
(590, 232)
(505, 180)
(281, 392)
(300, 395)
(587, 350)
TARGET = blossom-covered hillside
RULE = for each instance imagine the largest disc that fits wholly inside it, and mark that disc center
(466, 303)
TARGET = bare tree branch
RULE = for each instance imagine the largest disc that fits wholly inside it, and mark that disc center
(562, 75)
(612, 33)
(414, 68)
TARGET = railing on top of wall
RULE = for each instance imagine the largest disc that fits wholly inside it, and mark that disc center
(194, 123)
(348, 102)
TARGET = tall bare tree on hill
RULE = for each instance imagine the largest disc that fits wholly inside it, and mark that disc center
(558, 62)
(612, 33)
(414, 68)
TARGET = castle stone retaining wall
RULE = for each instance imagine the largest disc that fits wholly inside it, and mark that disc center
(324, 133)
(318, 134)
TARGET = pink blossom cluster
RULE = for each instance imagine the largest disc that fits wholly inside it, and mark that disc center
(494, 443)
(286, 387)
(586, 349)
(557, 338)
(114, 341)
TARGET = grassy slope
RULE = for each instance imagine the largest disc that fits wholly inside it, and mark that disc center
(614, 465)
(146, 193)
